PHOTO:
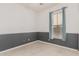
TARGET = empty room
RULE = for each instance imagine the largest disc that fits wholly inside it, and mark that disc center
(39, 29)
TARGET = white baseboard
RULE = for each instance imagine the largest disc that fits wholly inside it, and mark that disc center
(19, 46)
(59, 46)
(35, 42)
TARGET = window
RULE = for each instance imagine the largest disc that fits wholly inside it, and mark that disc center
(57, 24)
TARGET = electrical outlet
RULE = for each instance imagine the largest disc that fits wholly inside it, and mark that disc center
(25, 39)
(28, 39)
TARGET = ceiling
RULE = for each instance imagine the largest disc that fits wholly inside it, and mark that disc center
(38, 6)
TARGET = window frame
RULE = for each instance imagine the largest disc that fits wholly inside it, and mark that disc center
(63, 24)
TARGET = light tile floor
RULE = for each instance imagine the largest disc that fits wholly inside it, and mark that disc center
(39, 48)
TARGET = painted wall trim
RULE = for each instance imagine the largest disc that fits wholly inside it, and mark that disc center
(8, 41)
(71, 39)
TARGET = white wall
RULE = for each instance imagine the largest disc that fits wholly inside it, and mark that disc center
(15, 18)
(72, 14)
(78, 18)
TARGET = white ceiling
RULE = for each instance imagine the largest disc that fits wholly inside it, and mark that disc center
(37, 7)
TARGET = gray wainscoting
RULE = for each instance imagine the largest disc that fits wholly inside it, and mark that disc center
(78, 41)
(71, 39)
(12, 40)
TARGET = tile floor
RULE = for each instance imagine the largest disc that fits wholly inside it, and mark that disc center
(39, 48)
